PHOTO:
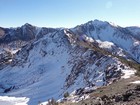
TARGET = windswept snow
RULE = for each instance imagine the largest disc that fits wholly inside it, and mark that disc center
(136, 82)
(105, 44)
(128, 73)
(5, 100)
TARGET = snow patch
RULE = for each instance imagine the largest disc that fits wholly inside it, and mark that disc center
(136, 82)
(5, 100)
(128, 73)
(105, 44)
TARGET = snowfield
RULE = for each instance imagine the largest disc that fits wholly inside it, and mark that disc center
(5, 100)
(136, 82)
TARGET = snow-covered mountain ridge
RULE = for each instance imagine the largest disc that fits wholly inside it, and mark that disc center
(41, 63)
(121, 37)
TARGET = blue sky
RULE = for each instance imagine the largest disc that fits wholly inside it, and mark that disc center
(68, 13)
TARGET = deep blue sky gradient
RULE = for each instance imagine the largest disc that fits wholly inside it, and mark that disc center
(68, 13)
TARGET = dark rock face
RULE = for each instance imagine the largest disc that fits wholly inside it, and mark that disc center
(22, 55)
(125, 97)
(9, 89)
(14, 34)
(79, 91)
(2, 32)
(138, 87)
(26, 32)
(45, 31)
(118, 98)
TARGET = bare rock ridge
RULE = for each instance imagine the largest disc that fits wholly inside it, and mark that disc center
(26, 32)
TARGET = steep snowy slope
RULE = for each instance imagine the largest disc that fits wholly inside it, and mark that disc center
(50, 66)
(135, 30)
(4, 100)
(44, 63)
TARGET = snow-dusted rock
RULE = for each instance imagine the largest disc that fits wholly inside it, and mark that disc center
(48, 62)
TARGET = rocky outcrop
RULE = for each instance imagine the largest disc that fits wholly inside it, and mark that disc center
(21, 56)
(2, 32)
(130, 97)
(27, 32)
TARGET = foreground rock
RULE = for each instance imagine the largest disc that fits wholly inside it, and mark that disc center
(122, 92)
